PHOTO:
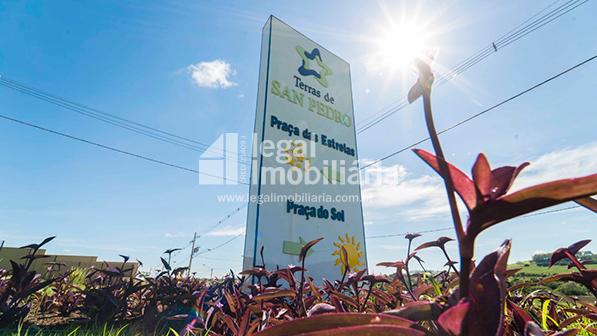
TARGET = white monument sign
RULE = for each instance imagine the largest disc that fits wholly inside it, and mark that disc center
(304, 180)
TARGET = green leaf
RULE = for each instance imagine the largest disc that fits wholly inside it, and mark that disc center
(544, 313)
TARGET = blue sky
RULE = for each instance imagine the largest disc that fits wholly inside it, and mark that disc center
(132, 59)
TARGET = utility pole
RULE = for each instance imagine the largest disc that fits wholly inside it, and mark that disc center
(192, 253)
(211, 274)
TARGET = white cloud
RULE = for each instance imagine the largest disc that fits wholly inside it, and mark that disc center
(227, 231)
(214, 74)
(564, 163)
(476, 102)
(423, 197)
(413, 197)
(174, 234)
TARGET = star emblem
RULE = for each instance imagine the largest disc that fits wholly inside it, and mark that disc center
(306, 67)
(296, 157)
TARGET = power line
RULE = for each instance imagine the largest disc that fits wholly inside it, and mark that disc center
(178, 254)
(220, 259)
(109, 118)
(567, 7)
(405, 233)
(551, 211)
(221, 245)
(501, 42)
(182, 249)
(112, 119)
(482, 112)
(196, 236)
(451, 228)
(85, 111)
(97, 117)
(423, 140)
(515, 34)
(222, 220)
(121, 151)
(511, 38)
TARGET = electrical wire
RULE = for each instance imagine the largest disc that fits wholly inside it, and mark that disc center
(500, 43)
(551, 211)
(451, 228)
(442, 131)
(114, 149)
(109, 121)
(220, 245)
(167, 136)
(508, 38)
(115, 120)
(222, 220)
(405, 233)
(511, 38)
(401, 150)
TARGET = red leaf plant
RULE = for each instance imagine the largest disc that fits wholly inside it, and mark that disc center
(482, 313)
(584, 276)
(486, 195)
(441, 243)
(487, 199)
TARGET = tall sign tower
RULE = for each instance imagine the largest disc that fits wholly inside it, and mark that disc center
(305, 177)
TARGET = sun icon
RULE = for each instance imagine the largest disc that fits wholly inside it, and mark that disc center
(295, 155)
(353, 251)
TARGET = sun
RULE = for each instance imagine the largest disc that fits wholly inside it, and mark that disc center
(353, 251)
(398, 44)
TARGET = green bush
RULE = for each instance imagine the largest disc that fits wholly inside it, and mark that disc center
(572, 289)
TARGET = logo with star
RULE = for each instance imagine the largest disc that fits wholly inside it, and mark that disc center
(311, 60)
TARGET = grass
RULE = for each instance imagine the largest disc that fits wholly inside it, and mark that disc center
(531, 269)
(76, 331)
(531, 272)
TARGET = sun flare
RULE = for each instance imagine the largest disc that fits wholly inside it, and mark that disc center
(398, 45)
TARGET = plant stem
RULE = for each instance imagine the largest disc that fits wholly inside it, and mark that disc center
(408, 289)
(465, 268)
(410, 284)
(343, 277)
(575, 261)
(300, 293)
(443, 167)
(367, 297)
(445, 173)
(450, 262)
(422, 267)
